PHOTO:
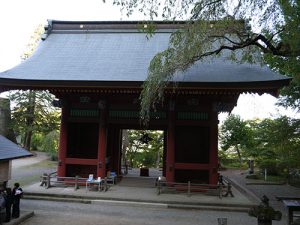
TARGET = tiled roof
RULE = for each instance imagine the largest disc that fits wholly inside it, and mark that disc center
(101, 52)
(9, 150)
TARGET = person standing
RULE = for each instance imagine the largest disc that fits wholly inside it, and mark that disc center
(16, 194)
(8, 203)
(2, 206)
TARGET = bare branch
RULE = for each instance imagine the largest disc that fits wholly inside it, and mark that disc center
(200, 6)
(224, 37)
(280, 50)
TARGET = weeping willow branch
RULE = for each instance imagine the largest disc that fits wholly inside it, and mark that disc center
(200, 41)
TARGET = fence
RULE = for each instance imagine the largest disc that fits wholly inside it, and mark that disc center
(221, 190)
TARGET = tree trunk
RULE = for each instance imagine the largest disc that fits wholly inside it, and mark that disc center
(5, 120)
(125, 144)
(29, 120)
(157, 159)
(27, 140)
(239, 155)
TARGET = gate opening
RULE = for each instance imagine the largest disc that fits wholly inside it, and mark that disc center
(143, 152)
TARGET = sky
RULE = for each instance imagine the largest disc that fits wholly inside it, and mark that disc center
(19, 18)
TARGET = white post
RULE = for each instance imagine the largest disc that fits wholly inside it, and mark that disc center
(265, 174)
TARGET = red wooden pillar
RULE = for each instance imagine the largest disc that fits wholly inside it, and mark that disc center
(62, 153)
(116, 142)
(170, 156)
(165, 154)
(119, 170)
(213, 172)
(102, 141)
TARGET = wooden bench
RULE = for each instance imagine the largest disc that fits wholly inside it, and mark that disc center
(52, 180)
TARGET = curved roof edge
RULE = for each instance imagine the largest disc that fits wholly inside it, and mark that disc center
(105, 59)
(10, 150)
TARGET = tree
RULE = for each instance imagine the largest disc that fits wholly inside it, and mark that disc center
(279, 140)
(235, 133)
(140, 152)
(253, 31)
(33, 113)
(50, 144)
(273, 143)
(289, 66)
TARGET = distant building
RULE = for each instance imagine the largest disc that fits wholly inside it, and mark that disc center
(96, 70)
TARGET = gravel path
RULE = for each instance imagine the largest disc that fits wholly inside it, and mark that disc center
(28, 170)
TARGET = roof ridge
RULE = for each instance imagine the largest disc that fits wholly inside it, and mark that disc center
(110, 26)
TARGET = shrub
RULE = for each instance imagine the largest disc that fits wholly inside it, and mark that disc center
(50, 144)
(252, 176)
(271, 165)
(36, 141)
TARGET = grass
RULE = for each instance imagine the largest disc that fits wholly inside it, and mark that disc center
(270, 178)
(43, 164)
(34, 177)
(235, 165)
(26, 180)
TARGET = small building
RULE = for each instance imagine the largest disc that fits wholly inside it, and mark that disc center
(96, 70)
(8, 152)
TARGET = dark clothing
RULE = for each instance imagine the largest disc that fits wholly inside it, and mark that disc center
(17, 194)
(8, 204)
(16, 208)
(2, 207)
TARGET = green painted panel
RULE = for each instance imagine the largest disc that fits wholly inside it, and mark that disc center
(192, 116)
(118, 114)
(84, 113)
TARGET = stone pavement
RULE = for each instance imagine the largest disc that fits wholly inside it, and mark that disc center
(256, 189)
(130, 193)
(142, 196)
(124, 193)
(24, 215)
(134, 195)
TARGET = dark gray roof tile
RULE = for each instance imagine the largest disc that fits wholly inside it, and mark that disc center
(120, 55)
(10, 150)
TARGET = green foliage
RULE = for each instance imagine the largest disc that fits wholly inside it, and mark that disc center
(265, 213)
(33, 43)
(33, 115)
(270, 178)
(274, 144)
(267, 28)
(252, 176)
(233, 164)
(289, 66)
(36, 141)
(50, 144)
(271, 165)
(197, 41)
(142, 154)
(279, 139)
(235, 134)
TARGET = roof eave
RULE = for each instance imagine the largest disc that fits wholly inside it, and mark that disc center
(15, 84)
(16, 157)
